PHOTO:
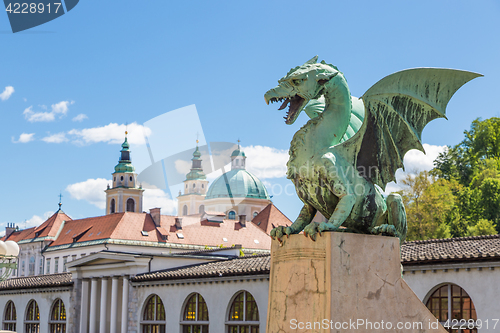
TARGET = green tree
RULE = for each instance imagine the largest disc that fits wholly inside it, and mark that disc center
(430, 206)
(482, 227)
(482, 142)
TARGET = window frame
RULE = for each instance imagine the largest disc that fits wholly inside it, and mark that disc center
(230, 215)
(47, 271)
(449, 305)
(156, 325)
(127, 205)
(32, 325)
(237, 324)
(112, 206)
(54, 323)
(10, 323)
(204, 325)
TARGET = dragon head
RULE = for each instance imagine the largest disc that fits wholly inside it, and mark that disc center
(301, 85)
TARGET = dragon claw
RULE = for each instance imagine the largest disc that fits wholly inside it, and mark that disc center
(279, 232)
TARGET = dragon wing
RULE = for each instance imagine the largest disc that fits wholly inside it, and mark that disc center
(397, 108)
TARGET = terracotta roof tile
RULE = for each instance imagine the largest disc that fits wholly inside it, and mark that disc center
(131, 226)
(250, 265)
(227, 233)
(52, 225)
(451, 249)
(269, 218)
(39, 281)
(49, 228)
(20, 235)
(126, 226)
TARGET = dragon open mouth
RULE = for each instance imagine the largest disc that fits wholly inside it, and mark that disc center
(295, 105)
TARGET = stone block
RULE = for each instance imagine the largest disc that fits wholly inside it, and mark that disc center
(343, 282)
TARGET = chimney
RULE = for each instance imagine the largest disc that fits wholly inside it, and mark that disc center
(178, 223)
(243, 220)
(9, 229)
(155, 215)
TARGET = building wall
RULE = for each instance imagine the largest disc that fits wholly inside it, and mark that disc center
(242, 206)
(218, 294)
(480, 281)
(45, 299)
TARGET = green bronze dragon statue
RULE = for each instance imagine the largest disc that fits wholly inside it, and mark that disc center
(344, 156)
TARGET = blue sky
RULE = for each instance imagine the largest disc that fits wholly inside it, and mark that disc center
(120, 62)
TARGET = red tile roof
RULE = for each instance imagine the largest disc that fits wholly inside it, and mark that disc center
(129, 226)
(20, 235)
(125, 226)
(270, 217)
(52, 225)
(49, 228)
(213, 234)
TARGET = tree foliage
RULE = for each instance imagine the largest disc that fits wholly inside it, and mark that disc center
(461, 195)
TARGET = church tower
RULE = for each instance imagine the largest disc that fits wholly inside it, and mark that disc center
(195, 188)
(124, 195)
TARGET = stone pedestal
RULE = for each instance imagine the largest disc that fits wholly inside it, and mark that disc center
(342, 283)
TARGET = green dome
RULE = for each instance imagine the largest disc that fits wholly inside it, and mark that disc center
(196, 174)
(240, 183)
(124, 167)
(238, 152)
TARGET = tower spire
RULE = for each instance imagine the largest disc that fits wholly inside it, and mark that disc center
(60, 200)
(124, 195)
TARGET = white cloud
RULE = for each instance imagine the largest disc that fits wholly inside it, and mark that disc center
(56, 138)
(81, 117)
(111, 133)
(266, 162)
(24, 138)
(8, 91)
(91, 190)
(35, 220)
(60, 109)
(33, 117)
(182, 167)
(415, 161)
(158, 198)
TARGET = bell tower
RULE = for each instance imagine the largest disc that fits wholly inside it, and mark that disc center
(195, 188)
(124, 195)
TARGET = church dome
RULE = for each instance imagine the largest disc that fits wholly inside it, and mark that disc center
(237, 183)
(238, 152)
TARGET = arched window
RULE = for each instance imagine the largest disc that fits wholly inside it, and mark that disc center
(195, 317)
(461, 306)
(57, 321)
(153, 318)
(32, 320)
(231, 215)
(130, 205)
(243, 314)
(112, 206)
(185, 210)
(10, 317)
(201, 210)
(255, 214)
